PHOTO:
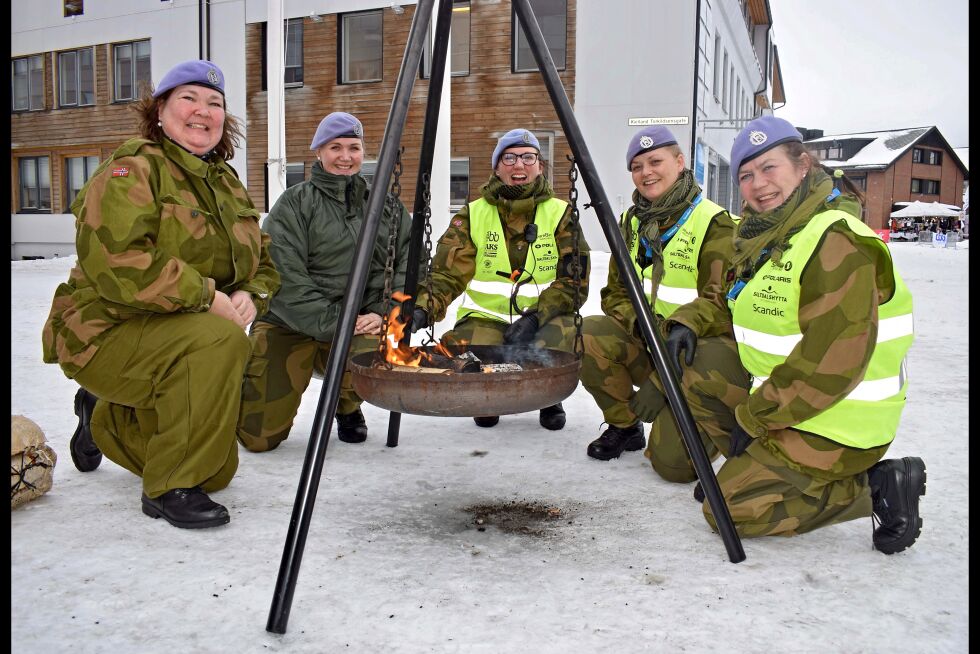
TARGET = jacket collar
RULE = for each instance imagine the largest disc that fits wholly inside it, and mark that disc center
(345, 189)
(189, 162)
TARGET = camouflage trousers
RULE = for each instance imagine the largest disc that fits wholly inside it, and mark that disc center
(169, 389)
(278, 373)
(556, 334)
(615, 362)
(785, 483)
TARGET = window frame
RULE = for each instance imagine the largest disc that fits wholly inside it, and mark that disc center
(77, 52)
(30, 60)
(291, 169)
(70, 193)
(517, 33)
(457, 8)
(717, 65)
(134, 78)
(342, 39)
(21, 207)
(296, 23)
(466, 197)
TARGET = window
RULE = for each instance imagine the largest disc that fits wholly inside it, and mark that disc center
(717, 56)
(293, 74)
(77, 172)
(27, 77)
(925, 186)
(731, 89)
(360, 47)
(725, 187)
(860, 182)
(551, 18)
(74, 8)
(736, 104)
(76, 78)
(459, 60)
(724, 83)
(425, 63)
(368, 168)
(934, 157)
(547, 141)
(131, 69)
(834, 153)
(295, 173)
(916, 155)
(35, 184)
(459, 181)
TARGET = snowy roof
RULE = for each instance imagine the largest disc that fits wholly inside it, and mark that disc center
(881, 150)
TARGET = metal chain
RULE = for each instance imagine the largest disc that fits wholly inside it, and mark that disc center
(579, 347)
(394, 216)
(427, 223)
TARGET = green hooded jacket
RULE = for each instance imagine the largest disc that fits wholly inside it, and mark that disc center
(314, 228)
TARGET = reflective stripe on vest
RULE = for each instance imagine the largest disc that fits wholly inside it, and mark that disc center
(488, 293)
(679, 284)
(766, 322)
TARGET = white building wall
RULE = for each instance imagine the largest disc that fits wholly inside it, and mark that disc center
(635, 59)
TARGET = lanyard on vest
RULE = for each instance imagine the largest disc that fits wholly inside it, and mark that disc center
(669, 234)
(740, 284)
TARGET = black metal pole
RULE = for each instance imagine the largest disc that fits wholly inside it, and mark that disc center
(419, 219)
(644, 317)
(299, 523)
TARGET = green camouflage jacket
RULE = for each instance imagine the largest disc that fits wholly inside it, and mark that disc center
(158, 230)
(315, 226)
(454, 265)
(707, 319)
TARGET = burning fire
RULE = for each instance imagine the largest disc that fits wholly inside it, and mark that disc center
(401, 354)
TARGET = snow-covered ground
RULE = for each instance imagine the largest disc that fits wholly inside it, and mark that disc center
(395, 561)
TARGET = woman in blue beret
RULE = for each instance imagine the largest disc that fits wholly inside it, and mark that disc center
(171, 268)
(315, 227)
(510, 254)
(823, 322)
(680, 243)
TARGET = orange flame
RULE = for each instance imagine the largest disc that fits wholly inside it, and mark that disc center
(395, 352)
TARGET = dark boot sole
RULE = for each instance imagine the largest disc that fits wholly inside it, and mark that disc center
(915, 470)
(354, 438)
(83, 462)
(632, 445)
(154, 512)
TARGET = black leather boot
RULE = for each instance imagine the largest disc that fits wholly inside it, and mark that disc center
(615, 440)
(85, 453)
(351, 427)
(187, 508)
(896, 485)
(552, 417)
(486, 421)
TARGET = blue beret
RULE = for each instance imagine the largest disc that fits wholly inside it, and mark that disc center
(648, 138)
(198, 71)
(758, 136)
(337, 125)
(515, 137)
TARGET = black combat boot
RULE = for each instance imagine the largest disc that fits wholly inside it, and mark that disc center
(552, 417)
(699, 493)
(486, 421)
(351, 427)
(896, 485)
(187, 508)
(85, 453)
(612, 442)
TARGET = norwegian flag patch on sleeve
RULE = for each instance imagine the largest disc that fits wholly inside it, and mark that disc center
(122, 171)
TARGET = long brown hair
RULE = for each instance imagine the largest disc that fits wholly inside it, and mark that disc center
(796, 150)
(149, 107)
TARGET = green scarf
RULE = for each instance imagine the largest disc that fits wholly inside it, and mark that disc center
(520, 199)
(657, 216)
(765, 235)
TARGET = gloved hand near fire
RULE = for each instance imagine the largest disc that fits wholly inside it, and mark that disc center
(417, 318)
(522, 330)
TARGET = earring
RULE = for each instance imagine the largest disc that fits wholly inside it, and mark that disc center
(159, 123)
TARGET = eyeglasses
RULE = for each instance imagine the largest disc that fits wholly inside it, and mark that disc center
(528, 158)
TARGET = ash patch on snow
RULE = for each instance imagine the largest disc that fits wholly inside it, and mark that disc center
(518, 517)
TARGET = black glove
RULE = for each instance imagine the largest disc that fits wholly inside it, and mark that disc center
(522, 330)
(681, 340)
(648, 400)
(414, 316)
(739, 440)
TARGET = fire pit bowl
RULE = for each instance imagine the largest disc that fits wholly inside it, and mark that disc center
(548, 377)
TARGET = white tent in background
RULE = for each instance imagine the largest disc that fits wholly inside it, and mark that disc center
(927, 209)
